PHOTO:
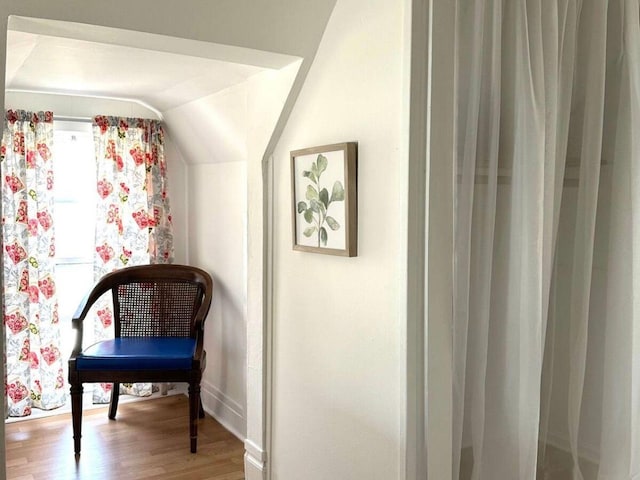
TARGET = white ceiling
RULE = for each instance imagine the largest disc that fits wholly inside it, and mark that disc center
(162, 79)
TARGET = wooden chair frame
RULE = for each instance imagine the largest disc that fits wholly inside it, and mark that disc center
(156, 275)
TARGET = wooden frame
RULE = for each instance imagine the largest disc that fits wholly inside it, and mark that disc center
(324, 199)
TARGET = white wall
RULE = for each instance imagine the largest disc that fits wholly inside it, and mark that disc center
(212, 132)
(292, 28)
(177, 191)
(217, 232)
(230, 136)
(266, 96)
(212, 129)
(338, 390)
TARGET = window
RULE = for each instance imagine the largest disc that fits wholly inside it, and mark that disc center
(74, 190)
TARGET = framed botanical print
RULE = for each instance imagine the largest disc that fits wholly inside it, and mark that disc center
(324, 207)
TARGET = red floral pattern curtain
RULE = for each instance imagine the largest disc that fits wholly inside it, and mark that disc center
(133, 216)
(34, 375)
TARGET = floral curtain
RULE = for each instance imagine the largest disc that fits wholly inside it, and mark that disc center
(133, 222)
(34, 375)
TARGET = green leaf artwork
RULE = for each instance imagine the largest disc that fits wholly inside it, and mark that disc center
(314, 210)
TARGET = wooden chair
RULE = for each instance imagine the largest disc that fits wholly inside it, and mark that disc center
(158, 315)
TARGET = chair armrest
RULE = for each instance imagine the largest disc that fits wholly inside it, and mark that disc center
(104, 284)
(199, 350)
(83, 309)
(81, 312)
(203, 310)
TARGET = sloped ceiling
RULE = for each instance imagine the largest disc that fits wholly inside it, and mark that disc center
(238, 36)
(183, 52)
(163, 72)
(164, 80)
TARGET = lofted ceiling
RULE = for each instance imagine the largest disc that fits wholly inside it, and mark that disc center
(196, 83)
(164, 80)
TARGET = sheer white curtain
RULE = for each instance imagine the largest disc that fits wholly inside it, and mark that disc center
(547, 240)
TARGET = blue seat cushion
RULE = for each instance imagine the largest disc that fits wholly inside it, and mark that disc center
(138, 353)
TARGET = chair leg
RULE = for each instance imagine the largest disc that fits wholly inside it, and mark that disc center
(113, 404)
(194, 410)
(200, 408)
(76, 414)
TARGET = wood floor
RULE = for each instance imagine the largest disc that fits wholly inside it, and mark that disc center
(149, 439)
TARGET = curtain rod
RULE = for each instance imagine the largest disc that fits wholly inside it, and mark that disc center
(87, 95)
(65, 118)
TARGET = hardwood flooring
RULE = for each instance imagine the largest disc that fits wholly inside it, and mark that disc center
(148, 440)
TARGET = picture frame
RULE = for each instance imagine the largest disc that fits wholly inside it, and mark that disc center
(324, 199)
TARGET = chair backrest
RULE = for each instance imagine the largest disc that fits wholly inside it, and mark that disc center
(159, 300)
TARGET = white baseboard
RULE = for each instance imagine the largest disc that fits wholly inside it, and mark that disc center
(231, 416)
(255, 460)
(225, 410)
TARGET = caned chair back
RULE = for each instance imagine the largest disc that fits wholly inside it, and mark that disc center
(166, 303)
